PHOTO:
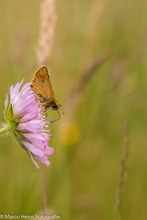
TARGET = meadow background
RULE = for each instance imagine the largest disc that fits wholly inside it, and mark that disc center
(83, 177)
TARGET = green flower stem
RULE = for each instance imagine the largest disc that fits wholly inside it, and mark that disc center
(5, 129)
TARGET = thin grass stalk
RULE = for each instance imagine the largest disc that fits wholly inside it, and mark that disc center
(122, 174)
(43, 53)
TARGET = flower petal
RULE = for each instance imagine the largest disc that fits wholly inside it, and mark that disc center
(36, 151)
(34, 161)
(30, 126)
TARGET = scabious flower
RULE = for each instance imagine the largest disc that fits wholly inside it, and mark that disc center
(26, 121)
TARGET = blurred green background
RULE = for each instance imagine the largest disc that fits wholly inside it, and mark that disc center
(83, 177)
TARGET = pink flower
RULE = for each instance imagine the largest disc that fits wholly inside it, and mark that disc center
(27, 123)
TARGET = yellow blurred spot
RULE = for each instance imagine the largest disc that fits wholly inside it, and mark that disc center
(69, 133)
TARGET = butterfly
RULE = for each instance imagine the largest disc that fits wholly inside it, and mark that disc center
(43, 91)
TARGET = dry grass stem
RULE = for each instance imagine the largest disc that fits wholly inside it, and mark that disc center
(47, 30)
(44, 190)
(74, 96)
(122, 174)
(43, 52)
(96, 13)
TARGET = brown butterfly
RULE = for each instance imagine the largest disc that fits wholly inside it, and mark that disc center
(42, 88)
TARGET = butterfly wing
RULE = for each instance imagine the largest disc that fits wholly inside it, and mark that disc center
(41, 84)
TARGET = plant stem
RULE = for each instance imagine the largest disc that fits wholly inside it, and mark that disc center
(44, 189)
(122, 174)
(5, 129)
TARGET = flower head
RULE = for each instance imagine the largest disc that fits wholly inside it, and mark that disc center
(27, 123)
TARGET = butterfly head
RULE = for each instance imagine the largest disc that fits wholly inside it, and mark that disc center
(55, 106)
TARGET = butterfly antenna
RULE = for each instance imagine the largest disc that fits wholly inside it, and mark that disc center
(57, 118)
